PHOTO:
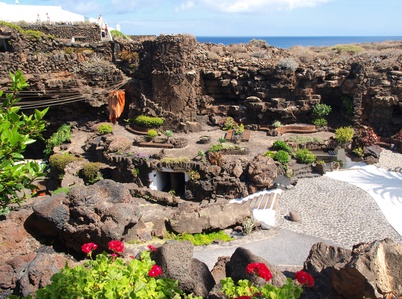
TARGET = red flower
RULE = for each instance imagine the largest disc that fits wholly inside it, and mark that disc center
(304, 278)
(259, 269)
(89, 247)
(116, 246)
(152, 248)
(155, 271)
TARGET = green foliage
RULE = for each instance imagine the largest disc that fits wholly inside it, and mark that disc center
(59, 161)
(282, 145)
(358, 151)
(344, 134)
(347, 105)
(17, 130)
(194, 175)
(112, 278)
(244, 287)
(91, 173)
(269, 154)
(148, 121)
(62, 135)
(282, 156)
(200, 239)
(230, 124)
(105, 128)
(201, 153)
(248, 225)
(61, 190)
(175, 160)
(221, 140)
(321, 110)
(152, 133)
(302, 139)
(116, 34)
(31, 34)
(168, 133)
(348, 48)
(277, 124)
(305, 156)
(320, 122)
(136, 172)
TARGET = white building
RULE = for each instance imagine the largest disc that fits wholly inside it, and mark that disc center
(30, 13)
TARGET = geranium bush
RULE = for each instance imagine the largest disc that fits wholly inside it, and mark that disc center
(110, 276)
(245, 289)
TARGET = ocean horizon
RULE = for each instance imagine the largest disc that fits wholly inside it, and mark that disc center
(291, 41)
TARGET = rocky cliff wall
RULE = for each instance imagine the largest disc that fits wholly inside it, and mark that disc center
(258, 84)
(181, 79)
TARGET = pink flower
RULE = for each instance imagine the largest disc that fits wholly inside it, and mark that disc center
(89, 247)
(152, 248)
(155, 271)
(304, 278)
(116, 246)
(259, 269)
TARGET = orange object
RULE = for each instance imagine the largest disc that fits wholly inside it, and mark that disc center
(116, 102)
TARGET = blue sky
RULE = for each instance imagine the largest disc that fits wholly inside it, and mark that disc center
(243, 17)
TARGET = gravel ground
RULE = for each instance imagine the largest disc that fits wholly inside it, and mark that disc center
(337, 211)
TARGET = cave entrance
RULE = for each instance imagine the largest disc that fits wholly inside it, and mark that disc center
(4, 44)
(168, 180)
(397, 115)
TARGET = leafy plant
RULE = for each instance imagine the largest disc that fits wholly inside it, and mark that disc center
(63, 134)
(231, 124)
(320, 122)
(17, 130)
(277, 124)
(221, 140)
(269, 154)
(194, 175)
(59, 161)
(91, 173)
(347, 105)
(365, 136)
(321, 110)
(148, 121)
(282, 156)
(109, 276)
(168, 133)
(200, 239)
(305, 156)
(246, 289)
(358, 151)
(151, 134)
(61, 190)
(344, 134)
(248, 225)
(105, 129)
(282, 145)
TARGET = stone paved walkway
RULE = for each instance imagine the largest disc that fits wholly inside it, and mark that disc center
(335, 211)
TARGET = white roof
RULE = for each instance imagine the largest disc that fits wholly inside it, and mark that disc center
(28, 13)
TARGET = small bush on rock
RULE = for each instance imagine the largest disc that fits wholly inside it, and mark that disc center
(91, 172)
(59, 161)
(105, 129)
(282, 156)
(282, 145)
(305, 156)
(151, 134)
(148, 121)
(344, 134)
(62, 135)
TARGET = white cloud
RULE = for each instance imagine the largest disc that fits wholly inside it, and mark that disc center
(258, 6)
(185, 6)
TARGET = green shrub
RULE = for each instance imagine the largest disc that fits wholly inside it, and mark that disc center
(105, 129)
(109, 276)
(320, 122)
(59, 161)
(277, 124)
(194, 175)
(200, 239)
(347, 105)
(348, 48)
(17, 130)
(282, 145)
(62, 135)
(231, 124)
(282, 156)
(305, 156)
(61, 190)
(321, 110)
(168, 133)
(152, 133)
(358, 152)
(91, 173)
(148, 121)
(344, 134)
(269, 154)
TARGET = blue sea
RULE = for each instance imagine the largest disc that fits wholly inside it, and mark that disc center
(290, 41)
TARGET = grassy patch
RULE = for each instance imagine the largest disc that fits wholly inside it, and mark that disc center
(348, 48)
(200, 239)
